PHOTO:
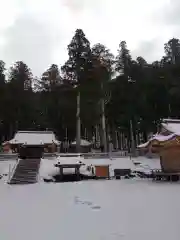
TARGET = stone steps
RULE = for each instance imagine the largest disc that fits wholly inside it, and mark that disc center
(26, 171)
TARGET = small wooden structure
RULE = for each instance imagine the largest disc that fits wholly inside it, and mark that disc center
(6, 146)
(75, 166)
(118, 173)
(169, 153)
(30, 152)
(170, 158)
(166, 176)
(102, 171)
(168, 149)
(167, 129)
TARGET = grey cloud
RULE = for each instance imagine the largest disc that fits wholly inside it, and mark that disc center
(76, 6)
(30, 41)
(150, 50)
(169, 15)
(173, 16)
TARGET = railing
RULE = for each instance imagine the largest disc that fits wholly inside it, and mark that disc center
(6, 156)
(45, 155)
(106, 155)
(11, 172)
(13, 156)
(119, 154)
(93, 154)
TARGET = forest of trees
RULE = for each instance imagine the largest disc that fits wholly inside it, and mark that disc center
(133, 90)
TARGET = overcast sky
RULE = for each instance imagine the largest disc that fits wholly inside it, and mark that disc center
(38, 31)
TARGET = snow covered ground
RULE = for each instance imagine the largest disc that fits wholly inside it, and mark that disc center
(90, 210)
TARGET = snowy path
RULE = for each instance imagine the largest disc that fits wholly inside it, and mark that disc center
(98, 210)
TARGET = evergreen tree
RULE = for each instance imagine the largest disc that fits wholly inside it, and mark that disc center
(3, 125)
(51, 78)
(138, 91)
(172, 50)
(123, 59)
(76, 69)
(19, 97)
(79, 52)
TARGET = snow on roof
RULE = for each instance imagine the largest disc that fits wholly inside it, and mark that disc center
(69, 160)
(5, 143)
(159, 138)
(70, 155)
(123, 163)
(143, 145)
(162, 138)
(172, 127)
(98, 162)
(83, 143)
(34, 138)
(114, 163)
(170, 120)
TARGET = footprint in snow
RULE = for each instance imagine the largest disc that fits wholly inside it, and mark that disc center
(88, 203)
(96, 207)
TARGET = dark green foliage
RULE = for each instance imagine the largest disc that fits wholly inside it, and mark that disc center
(133, 90)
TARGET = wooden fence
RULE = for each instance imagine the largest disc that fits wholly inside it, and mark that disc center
(119, 154)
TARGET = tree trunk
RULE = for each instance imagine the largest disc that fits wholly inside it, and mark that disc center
(78, 125)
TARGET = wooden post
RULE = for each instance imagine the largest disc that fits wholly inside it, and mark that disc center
(103, 123)
(133, 148)
(77, 172)
(9, 172)
(61, 172)
(116, 139)
(78, 125)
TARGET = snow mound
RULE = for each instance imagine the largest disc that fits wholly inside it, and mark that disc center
(70, 160)
(47, 168)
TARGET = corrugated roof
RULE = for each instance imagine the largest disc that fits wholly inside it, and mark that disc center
(34, 138)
